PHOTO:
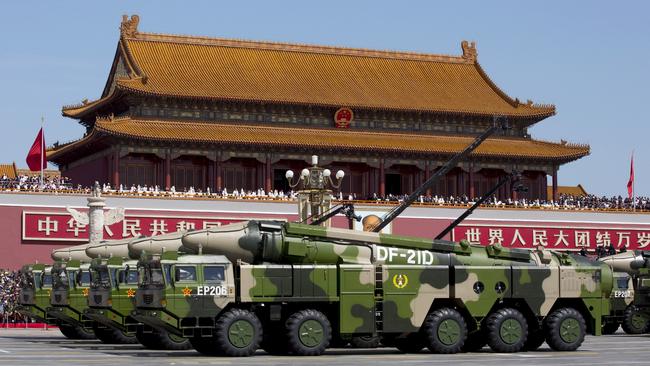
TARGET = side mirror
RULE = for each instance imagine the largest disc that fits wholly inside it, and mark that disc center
(78, 278)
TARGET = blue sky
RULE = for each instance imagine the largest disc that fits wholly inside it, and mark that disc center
(589, 58)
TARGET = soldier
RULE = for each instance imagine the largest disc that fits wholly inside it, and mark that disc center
(583, 252)
(611, 250)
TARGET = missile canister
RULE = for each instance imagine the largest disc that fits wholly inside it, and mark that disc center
(77, 252)
(157, 244)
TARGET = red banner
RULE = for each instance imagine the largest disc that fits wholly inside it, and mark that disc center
(561, 238)
(60, 226)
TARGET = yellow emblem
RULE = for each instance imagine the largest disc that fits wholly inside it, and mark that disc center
(187, 291)
(85, 292)
(400, 280)
(130, 292)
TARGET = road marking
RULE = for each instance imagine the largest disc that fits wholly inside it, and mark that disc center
(3, 351)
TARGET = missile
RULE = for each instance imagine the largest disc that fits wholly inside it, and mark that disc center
(77, 252)
(109, 248)
(629, 262)
(157, 244)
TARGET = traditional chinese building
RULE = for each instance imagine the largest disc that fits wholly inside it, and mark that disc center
(207, 112)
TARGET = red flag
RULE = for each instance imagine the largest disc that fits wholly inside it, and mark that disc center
(36, 159)
(630, 183)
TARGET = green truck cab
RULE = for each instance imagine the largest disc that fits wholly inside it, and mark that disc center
(111, 297)
(68, 298)
(35, 288)
(292, 289)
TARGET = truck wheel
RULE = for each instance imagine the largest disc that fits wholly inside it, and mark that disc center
(445, 331)
(75, 332)
(507, 330)
(308, 333)
(535, 340)
(610, 328)
(204, 345)
(413, 343)
(238, 333)
(112, 336)
(475, 341)
(634, 321)
(565, 329)
(162, 340)
(365, 342)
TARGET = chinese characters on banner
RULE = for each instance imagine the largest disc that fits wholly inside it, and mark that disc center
(55, 226)
(553, 238)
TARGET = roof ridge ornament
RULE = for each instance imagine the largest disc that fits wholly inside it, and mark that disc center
(129, 27)
(469, 50)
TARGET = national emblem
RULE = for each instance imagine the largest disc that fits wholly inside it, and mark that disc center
(187, 291)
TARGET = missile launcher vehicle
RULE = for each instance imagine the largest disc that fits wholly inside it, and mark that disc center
(302, 285)
(70, 286)
(114, 280)
(636, 316)
(621, 303)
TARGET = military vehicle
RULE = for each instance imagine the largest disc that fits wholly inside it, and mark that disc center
(113, 287)
(292, 288)
(636, 316)
(34, 296)
(621, 303)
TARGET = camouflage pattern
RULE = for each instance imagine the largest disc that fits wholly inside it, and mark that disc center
(367, 283)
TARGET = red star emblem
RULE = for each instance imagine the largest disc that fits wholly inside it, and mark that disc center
(85, 292)
(130, 292)
(187, 291)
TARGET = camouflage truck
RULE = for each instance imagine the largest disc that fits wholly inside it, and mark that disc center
(621, 303)
(636, 316)
(112, 292)
(70, 286)
(292, 288)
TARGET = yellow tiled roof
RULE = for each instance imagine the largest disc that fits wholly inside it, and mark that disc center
(9, 170)
(569, 190)
(330, 138)
(200, 67)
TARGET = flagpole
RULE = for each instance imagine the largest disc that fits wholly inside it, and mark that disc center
(42, 149)
(633, 184)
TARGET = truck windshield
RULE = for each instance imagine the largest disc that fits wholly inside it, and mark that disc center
(150, 273)
(99, 277)
(47, 280)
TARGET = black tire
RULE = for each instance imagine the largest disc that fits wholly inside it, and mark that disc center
(238, 333)
(610, 328)
(76, 332)
(535, 340)
(204, 345)
(365, 342)
(112, 335)
(308, 333)
(445, 331)
(413, 343)
(507, 330)
(633, 321)
(475, 341)
(162, 340)
(565, 329)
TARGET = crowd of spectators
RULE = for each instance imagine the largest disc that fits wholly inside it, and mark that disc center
(24, 183)
(9, 291)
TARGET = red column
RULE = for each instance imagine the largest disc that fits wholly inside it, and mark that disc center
(470, 182)
(513, 192)
(382, 179)
(267, 183)
(168, 170)
(116, 169)
(555, 195)
(427, 175)
(219, 169)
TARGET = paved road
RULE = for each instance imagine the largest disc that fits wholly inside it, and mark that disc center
(47, 348)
